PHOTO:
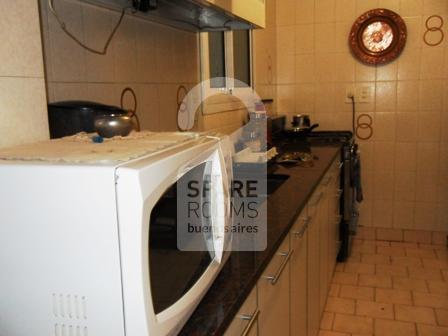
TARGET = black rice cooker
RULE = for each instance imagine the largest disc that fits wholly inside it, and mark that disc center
(70, 117)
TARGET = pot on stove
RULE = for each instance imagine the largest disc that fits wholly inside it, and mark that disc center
(301, 121)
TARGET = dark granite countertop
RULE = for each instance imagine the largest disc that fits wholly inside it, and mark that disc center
(243, 269)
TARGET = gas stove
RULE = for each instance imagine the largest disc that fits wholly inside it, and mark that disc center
(301, 146)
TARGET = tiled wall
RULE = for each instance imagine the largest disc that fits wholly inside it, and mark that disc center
(265, 56)
(22, 85)
(152, 59)
(405, 163)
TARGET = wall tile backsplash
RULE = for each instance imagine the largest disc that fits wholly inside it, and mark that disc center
(152, 59)
(405, 171)
(22, 84)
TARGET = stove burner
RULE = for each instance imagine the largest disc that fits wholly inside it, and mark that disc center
(303, 159)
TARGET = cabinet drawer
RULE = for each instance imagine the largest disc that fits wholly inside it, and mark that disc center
(246, 320)
(273, 290)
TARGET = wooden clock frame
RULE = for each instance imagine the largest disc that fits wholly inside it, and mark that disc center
(391, 52)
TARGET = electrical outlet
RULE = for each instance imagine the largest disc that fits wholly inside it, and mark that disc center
(364, 94)
(349, 92)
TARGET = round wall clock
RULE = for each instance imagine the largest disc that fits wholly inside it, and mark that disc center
(378, 36)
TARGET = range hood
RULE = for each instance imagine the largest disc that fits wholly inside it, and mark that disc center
(195, 15)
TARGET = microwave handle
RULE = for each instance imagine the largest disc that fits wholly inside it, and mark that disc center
(221, 234)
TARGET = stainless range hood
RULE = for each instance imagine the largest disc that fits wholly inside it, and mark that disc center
(196, 15)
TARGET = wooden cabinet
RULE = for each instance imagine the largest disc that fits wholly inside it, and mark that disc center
(245, 322)
(313, 267)
(298, 269)
(273, 294)
(293, 289)
(334, 218)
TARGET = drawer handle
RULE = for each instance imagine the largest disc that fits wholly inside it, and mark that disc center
(316, 202)
(274, 278)
(339, 193)
(252, 319)
(306, 222)
(340, 164)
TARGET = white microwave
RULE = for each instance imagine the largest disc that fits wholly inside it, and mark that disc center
(88, 246)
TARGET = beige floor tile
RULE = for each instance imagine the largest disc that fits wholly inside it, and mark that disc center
(345, 278)
(430, 300)
(415, 314)
(359, 268)
(410, 284)
(382, 281)
(394, 328)
(420, 253)
(331, 333)
(442, 254)
(436, 263)
(404, 244)
(326, 323)
(438, 287)
(357, 242)
(391, 250)
(406, 261)
(375, 259)
(354, 257)
(425, 273)
(442, 317)
(340, 267)
(375, 309)
(370, 249)
(445, 274)
(428, 330)
(353, 324)
(393, 296)
(381, 243)
(334, 290)
(340, 305)
(393, 270)
(355, 292)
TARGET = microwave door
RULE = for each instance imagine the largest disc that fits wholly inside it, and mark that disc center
(175, 271)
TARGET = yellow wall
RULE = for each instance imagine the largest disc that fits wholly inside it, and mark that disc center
(23, 114)
(405, 163)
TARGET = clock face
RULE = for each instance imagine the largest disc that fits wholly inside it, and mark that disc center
(377, 36)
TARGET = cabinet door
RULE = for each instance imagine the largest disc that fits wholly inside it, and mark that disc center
(246, 320)
(313, 267)
(273, 294)
(334, 219)
(322, 222)
(298, 267)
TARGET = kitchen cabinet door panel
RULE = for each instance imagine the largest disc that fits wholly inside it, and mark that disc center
(246, 320)
(313, 271)
(299, 282)
(274, 297)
